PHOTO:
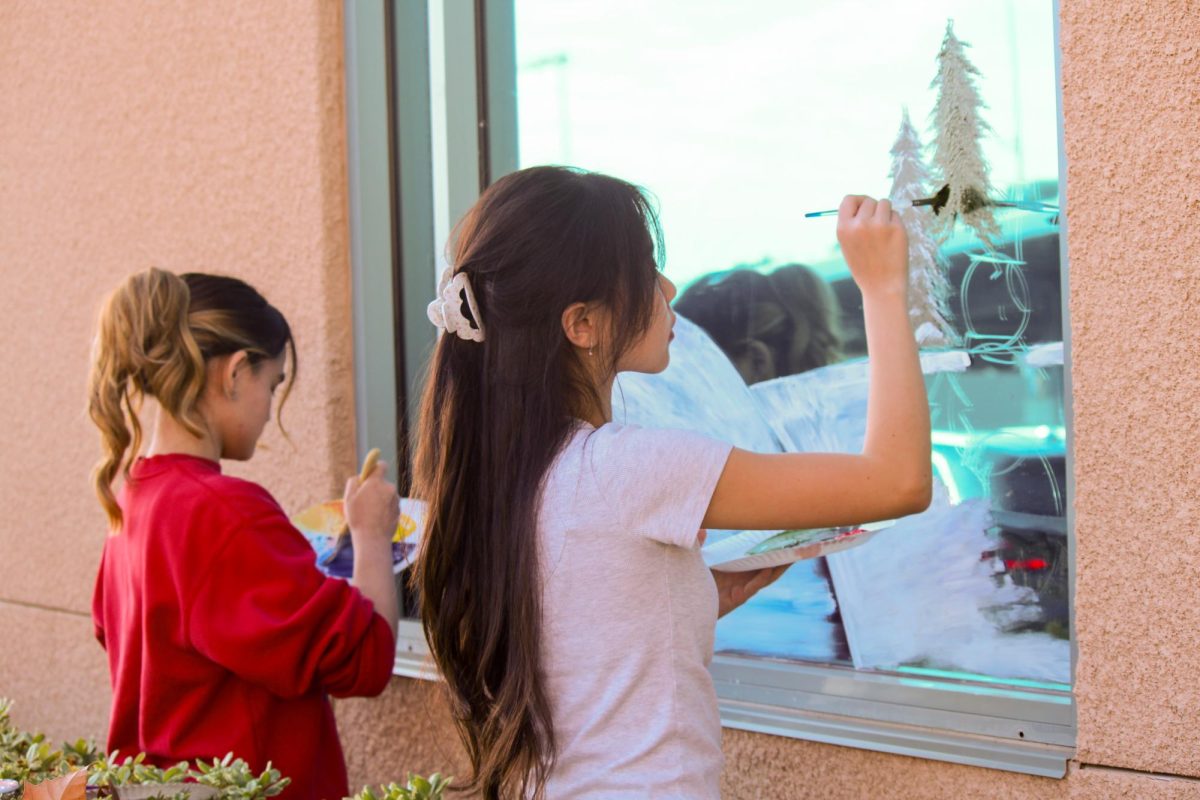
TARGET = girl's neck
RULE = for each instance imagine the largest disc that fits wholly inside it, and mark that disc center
(601, 414)
(170, 436)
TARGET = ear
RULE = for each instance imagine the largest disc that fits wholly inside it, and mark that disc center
(579, 325)
(236, 364)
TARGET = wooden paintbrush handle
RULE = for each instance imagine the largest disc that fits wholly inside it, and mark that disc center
(369, 463)
(368, 468)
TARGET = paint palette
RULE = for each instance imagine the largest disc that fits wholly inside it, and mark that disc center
(750, 550)
(321, 525)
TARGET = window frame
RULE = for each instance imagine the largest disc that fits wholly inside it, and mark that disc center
(451, 67)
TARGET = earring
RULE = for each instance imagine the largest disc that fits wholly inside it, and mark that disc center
(590, 353)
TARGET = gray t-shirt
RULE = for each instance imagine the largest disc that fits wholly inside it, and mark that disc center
(629, 609)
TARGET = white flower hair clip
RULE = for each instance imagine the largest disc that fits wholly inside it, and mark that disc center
(446, 310)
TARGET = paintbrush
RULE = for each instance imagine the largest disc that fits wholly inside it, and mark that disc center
(938, 201)
(343, 541)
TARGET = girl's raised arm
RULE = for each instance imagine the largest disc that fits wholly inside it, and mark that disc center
(892, 476)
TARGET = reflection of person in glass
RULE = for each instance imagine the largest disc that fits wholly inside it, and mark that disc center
(768, 325)
(563, 592)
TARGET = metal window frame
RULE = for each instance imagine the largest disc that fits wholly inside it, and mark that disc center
(372, 248)
(980, 723)
(392, 237)
(396, 54)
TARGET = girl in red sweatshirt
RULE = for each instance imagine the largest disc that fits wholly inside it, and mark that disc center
(221, 633)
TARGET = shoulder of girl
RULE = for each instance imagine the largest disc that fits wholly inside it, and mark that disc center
(242, 498)
(637, 445)
(637, 435)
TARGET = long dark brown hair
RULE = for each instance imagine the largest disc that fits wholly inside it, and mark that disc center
(494, 415)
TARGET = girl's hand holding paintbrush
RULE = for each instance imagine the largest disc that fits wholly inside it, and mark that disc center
(372, 509)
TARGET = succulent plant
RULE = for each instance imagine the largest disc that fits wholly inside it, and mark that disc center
(415, 788)
(28, 757)
(110, 771)
(236, 781)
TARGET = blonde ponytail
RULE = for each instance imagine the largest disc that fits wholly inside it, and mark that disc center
(144, 345)
(156, 333)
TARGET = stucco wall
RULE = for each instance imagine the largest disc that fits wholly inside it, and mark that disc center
(1131, 102)
(191, 136)
(409, 730)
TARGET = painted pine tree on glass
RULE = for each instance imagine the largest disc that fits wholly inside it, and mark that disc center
(928, 286)
(957, 154)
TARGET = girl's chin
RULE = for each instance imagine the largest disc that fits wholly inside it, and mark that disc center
(240, 453)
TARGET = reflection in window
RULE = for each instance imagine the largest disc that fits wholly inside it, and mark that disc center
(738, 122)
(769, 325)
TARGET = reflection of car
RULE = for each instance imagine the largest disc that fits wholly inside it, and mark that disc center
(1022, 470)
(997, 304)
(1022, 298)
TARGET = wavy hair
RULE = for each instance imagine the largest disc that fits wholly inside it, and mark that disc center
(494, 415)
(155, 334)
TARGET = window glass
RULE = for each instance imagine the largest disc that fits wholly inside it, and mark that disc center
(739, 119)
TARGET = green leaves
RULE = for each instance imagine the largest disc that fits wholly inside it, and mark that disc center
(29, 757)
(110, 771)
(416, 788)
(234, 779)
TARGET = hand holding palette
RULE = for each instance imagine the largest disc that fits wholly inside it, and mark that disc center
(323, 524)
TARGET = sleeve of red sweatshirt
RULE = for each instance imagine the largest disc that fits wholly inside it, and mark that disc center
(97, 605)
(266, 613)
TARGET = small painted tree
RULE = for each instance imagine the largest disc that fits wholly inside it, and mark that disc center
(928, 286)
(957, 155)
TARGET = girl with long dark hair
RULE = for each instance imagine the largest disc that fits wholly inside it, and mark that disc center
(563, 593)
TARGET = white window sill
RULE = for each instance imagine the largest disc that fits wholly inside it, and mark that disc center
(962, 722)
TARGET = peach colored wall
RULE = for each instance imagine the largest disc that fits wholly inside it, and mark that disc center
(409, 729)
(205, 136)
(210, 136)
(1131, 74)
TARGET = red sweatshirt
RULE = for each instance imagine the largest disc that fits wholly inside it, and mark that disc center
(222, 635)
